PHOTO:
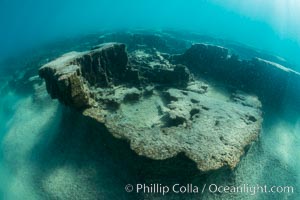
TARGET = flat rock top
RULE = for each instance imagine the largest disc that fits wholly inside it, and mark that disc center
(210, 128)
(158, 107)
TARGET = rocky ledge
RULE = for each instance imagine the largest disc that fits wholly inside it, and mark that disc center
(153, 101)
(275, 84)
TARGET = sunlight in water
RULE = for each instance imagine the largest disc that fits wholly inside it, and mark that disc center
(282, 15)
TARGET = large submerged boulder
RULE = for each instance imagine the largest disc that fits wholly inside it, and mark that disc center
(157, 106)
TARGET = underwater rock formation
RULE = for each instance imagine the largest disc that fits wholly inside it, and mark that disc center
(64, 76)
(273, 83)
(156, 105)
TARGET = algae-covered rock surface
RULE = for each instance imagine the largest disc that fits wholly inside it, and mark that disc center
(157, 104)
